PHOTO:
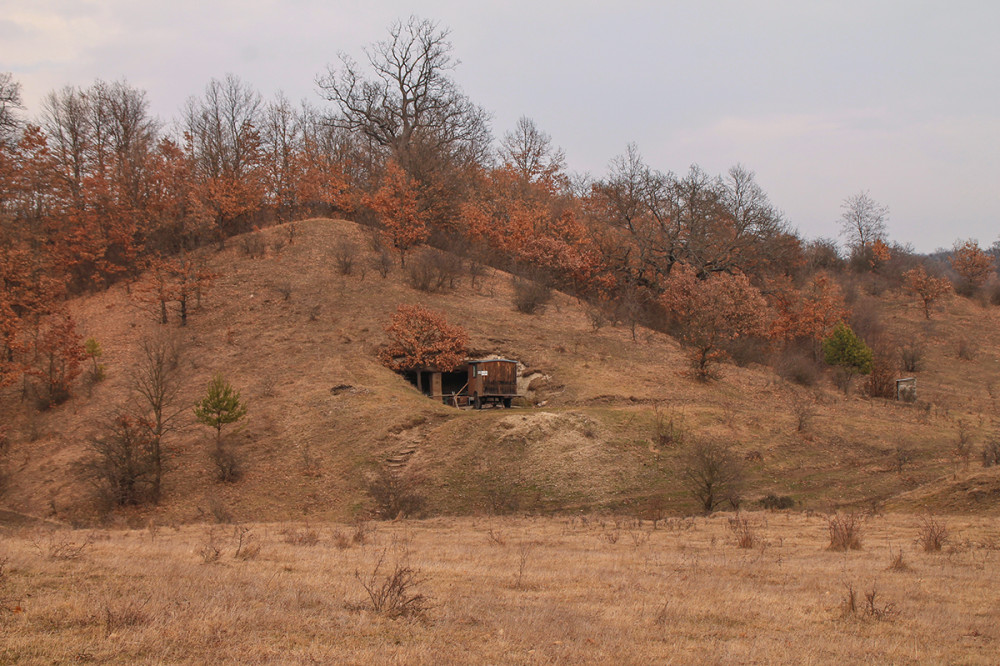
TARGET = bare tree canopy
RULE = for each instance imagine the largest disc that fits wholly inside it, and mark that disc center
(863, 220)
(410, 102)
(529, 150)
(10, 101)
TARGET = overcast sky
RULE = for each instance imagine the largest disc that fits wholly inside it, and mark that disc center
(821, 99)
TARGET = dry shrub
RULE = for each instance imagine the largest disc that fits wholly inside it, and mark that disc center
(345, 253)
(253, 245)
(845, 531)
(364, 532)
(991, 453)
(911, 356)
(668, 428)
(248, 546)
(394, 494)
(382, 263)
(804, 411)
(125, 616)
(60, 544)
(713, 475)
(392, 588)
(773, 502)
(931, 534)
(881, 383)
(873, 607)
(744, 531)
(963, 443)
(340, 539)
(967, 349)
(228, 463)
(433, 270)
(285, 289)
(210, 551)
(903, 457)
(798, 366)
(896, 562)
(300, 537)
(530, 296)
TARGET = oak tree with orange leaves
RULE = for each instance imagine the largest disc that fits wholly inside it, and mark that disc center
(711, 312)
(397, 206)
(972, 264)
(927, 287)
(422, 338)
(59, 354)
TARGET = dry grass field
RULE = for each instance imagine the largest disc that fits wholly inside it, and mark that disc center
(582, 589)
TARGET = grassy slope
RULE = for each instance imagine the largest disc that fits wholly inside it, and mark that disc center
(307, 448)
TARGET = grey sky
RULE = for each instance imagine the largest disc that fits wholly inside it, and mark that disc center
(821, 99)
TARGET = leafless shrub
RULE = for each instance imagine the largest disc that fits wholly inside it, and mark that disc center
(392, 588)
(247, 544)
(228, 462)
(125, 616)
(668, 428)
(877, 610)
(340, 539)
(713, 475)
(284, 289)
(210, 550)
(902, 458)
(991, 453)
(277, 245)
(636, 533)
(60, 544)
(963, 443)
(523, 553)
(393, 493)
(306, 536)
(382, 263)
(744, 531)
(932, 534)
(611, 534)
(911, 356)
(253, 245)
(772, 502)
(291, 230)
(476, 270)
(896, 561)
(433, 270)
(804, 411)
(797, 366)
(345, 253)
(314, 312)
(881, 382)
(530, 296)
(850, 604)
(496, 536)
(598, 318)
(219, 511)
(845, 531)
(364, 532)
(967, 349)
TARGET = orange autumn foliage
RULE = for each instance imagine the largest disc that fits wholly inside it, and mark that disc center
(397, 206)
(927, 287)
(421, 338)
(972, 264)
(711, 312)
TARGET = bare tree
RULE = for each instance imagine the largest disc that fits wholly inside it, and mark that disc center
(10, 101)
(713, 475)
(862, 221)
(410, 105)
(154, 380)
(530, 151)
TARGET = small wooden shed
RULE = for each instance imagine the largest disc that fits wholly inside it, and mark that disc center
(477, 382)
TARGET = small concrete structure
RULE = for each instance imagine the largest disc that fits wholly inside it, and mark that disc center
(906, 389)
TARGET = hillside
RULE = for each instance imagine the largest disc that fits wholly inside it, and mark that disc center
(323, 412)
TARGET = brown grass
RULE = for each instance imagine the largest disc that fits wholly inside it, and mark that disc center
(551, 591)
